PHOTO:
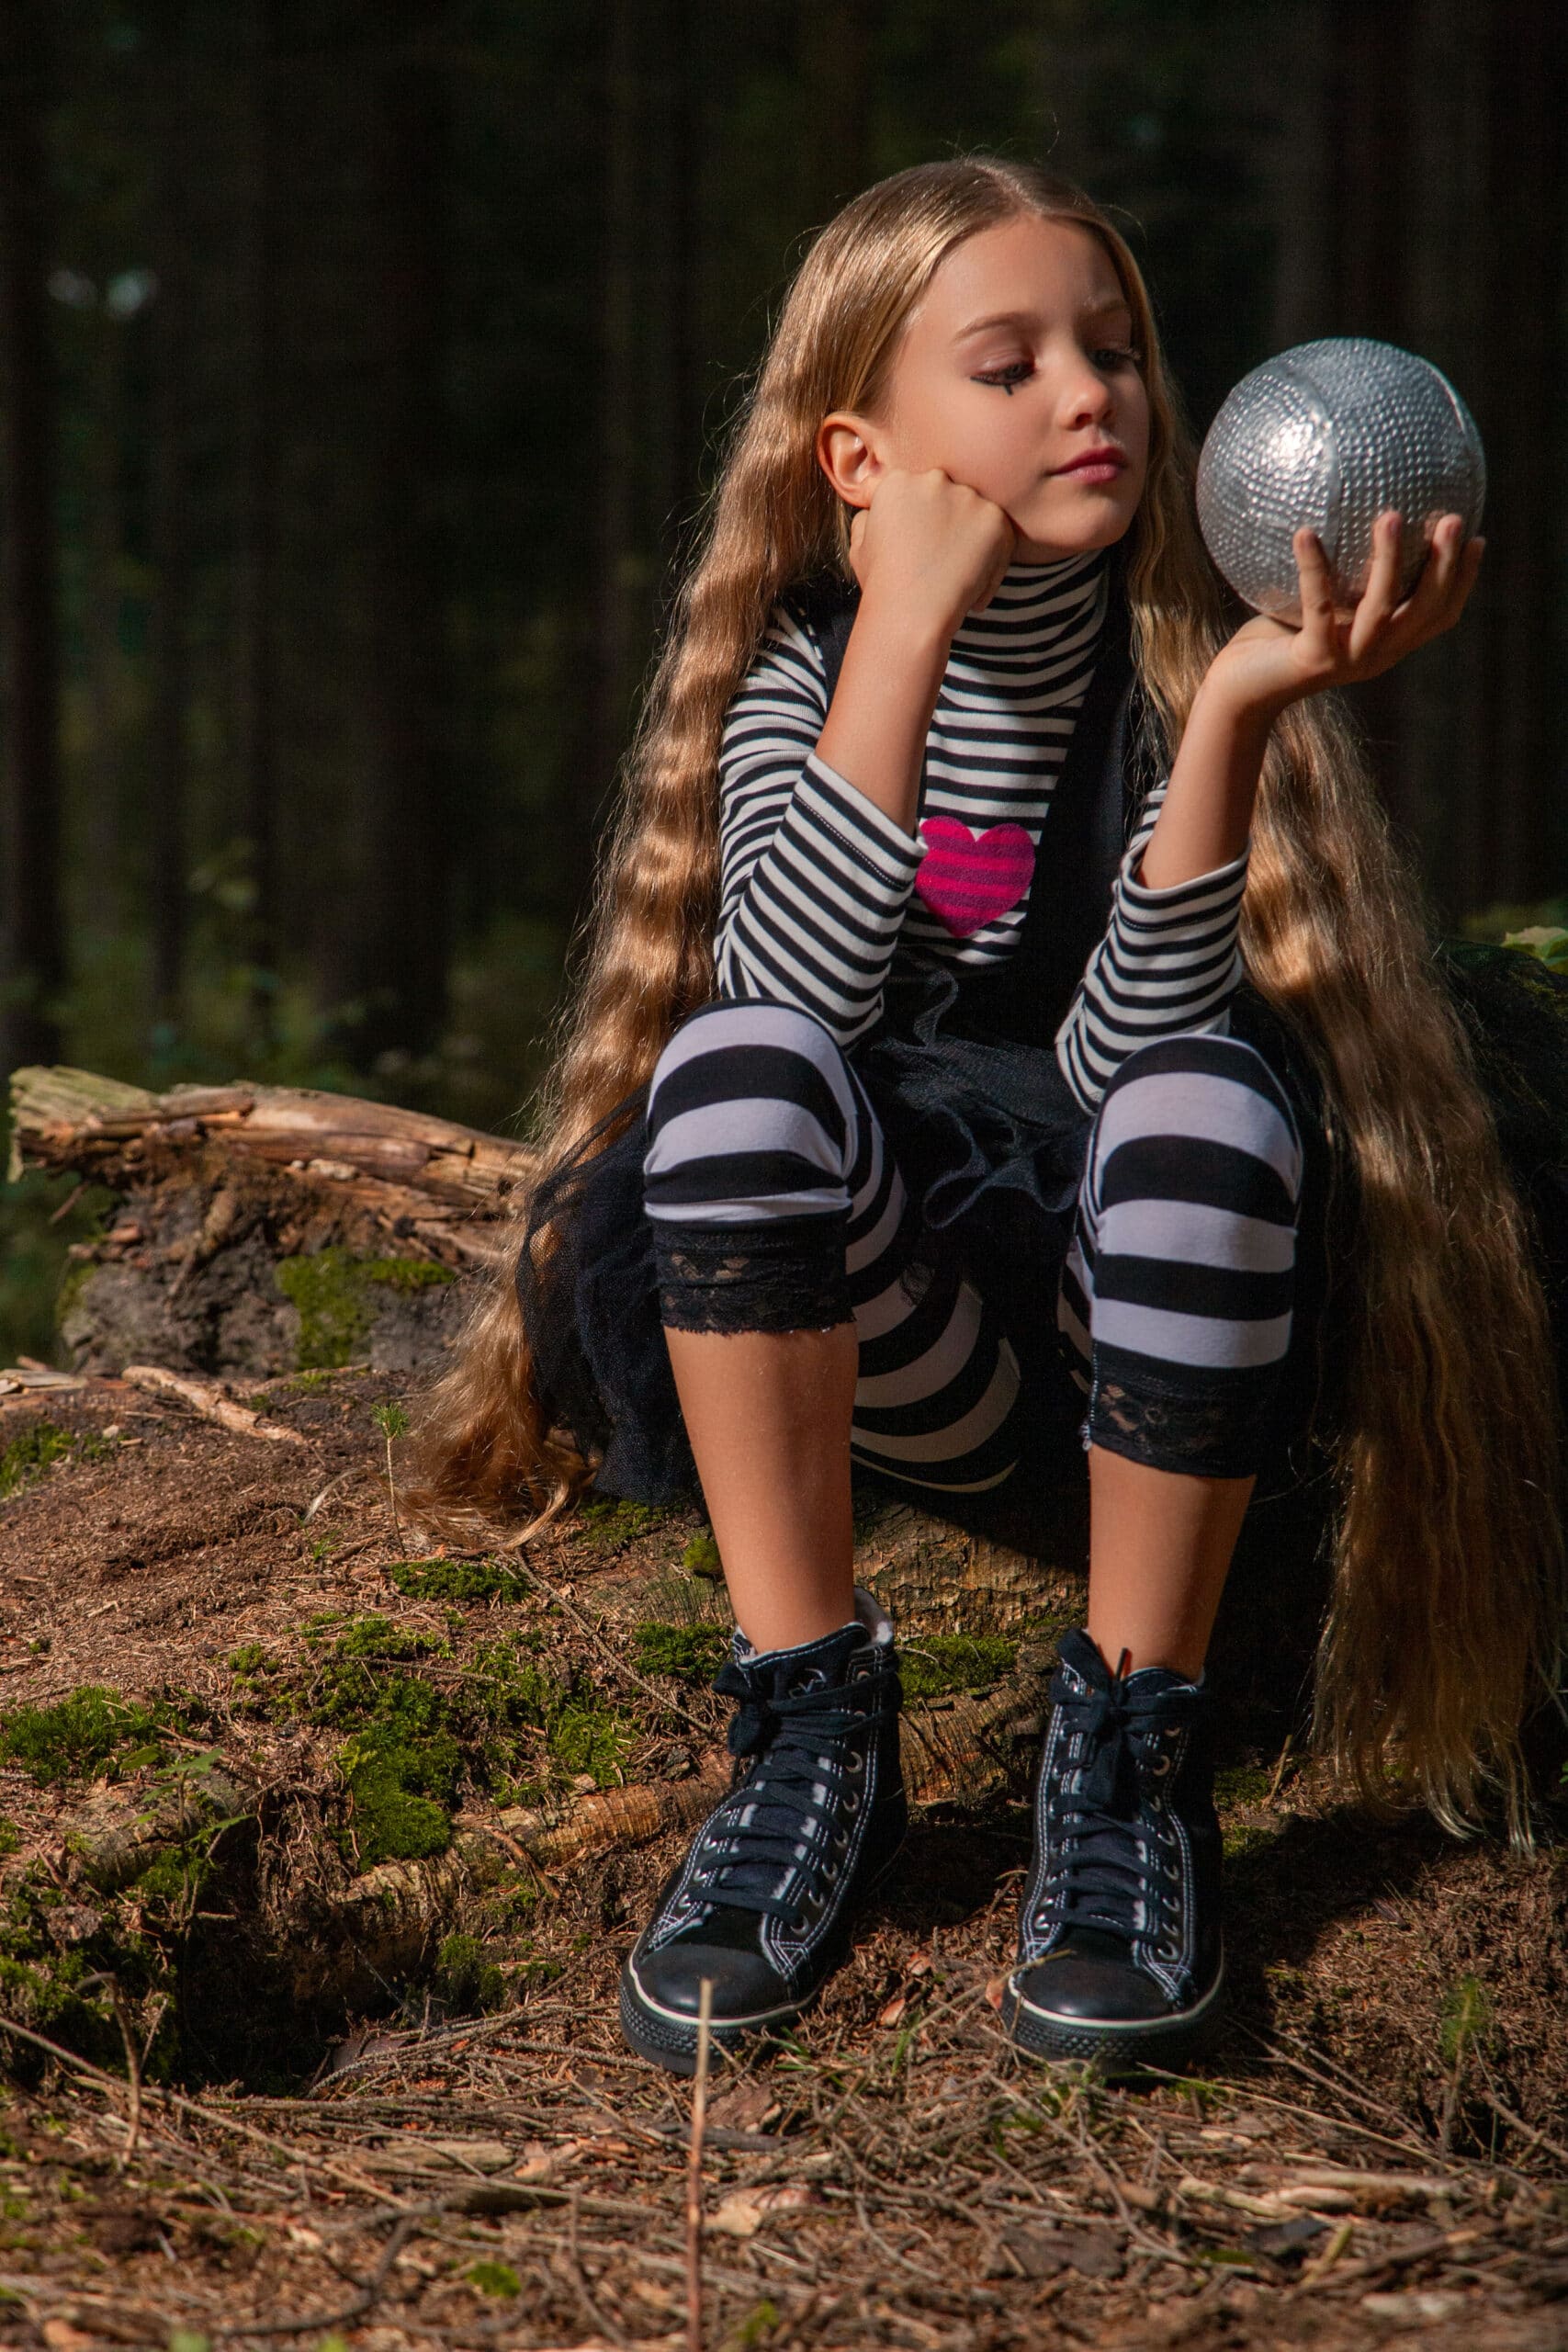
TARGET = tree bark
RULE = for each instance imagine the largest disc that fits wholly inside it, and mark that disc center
(168, 808)
(402, 914)
(256, 551)
(33, 944)
(1435, 222)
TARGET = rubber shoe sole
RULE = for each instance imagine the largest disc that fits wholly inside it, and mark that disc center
(1115, 2048)
(669, 2037)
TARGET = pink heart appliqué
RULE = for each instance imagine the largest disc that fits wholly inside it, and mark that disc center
(967, 879)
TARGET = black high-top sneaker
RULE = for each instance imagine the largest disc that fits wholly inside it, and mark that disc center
(815, 1815)
(1120, 1957)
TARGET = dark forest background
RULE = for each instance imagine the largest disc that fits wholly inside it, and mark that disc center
(362, 368)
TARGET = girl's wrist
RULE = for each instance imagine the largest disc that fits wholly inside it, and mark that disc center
(1227, 700)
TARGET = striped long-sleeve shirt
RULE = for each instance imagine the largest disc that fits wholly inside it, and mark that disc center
(820, 887)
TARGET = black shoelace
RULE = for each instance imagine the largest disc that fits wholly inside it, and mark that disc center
(1115, 1858)
(783, 1860)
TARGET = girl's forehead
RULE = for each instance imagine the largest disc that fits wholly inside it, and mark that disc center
(1024, 265)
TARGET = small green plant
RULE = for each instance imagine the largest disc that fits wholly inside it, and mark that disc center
(465, 1979)
(497, 2279)
(30, 1453)
(83, 1734)
(689, 1653)
(438, 1579)
(1466, 2019)
(608, 1525)
(1242, 1784)
(939, 1663)
(392, 1421)
(701, 1557)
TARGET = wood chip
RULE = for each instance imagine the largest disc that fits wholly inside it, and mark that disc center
(201, 1397)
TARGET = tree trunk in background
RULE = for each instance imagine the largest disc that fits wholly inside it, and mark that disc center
(167, 816)
(1420, 201)
(32, 943)
(254, 565)
(672, 432)
(401, 919)
(614, 613)
(103, 849)
(835, 44)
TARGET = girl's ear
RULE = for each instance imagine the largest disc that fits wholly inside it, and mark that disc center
(846, 452)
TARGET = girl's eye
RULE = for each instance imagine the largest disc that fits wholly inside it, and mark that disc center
(1118, 355)
(1007, 374)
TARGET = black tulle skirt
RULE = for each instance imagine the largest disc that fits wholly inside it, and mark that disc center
(989, 1138)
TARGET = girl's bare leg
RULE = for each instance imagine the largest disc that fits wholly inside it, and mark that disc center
(768, 1414)
(1160, 1545)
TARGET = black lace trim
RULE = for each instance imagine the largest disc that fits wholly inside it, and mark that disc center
(1209, 1426)
(784, 1276)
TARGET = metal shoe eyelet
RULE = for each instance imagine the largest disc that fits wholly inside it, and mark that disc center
(1167, 1949)
(850, 1802)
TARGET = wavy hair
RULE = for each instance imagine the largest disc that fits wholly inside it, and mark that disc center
(1448, 1546)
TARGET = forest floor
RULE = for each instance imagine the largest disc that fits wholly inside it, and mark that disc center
(321, 1856)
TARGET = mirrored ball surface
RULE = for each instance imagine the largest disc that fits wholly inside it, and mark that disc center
(1331, 434)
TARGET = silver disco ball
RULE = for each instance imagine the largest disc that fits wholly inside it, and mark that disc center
(1331, 434)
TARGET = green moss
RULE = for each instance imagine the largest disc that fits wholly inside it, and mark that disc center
(395, 1817)
(609, 1525)
(465, 1980)
(1239, 1839)
(331, 1291)
(937, 1663)
(1242, 1784)
(81, 1735)
(701, 1557)
(458, 1580)
(10, 1835)
(497, 2279)
(585, 1738)
(407, 1275)
(252, 1660)
(415, 1728)
(78, 1274)
(690, 1653)
(30, 1453)
(175, 1879)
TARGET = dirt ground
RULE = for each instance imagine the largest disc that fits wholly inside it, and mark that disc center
(321, 1855)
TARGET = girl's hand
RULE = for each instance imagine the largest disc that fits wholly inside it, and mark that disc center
(1267, 664)
(929, 549)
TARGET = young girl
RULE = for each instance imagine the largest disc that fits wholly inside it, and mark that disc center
(1000, 954)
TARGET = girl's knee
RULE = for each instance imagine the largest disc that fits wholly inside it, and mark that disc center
(1201, 1087)
(736, 1029)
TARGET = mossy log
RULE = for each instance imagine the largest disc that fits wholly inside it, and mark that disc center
(265, 1229)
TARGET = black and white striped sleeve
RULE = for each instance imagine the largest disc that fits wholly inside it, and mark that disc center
(814, 876)
(1169, 960)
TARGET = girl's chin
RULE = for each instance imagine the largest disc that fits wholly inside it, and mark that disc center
(1058, 550)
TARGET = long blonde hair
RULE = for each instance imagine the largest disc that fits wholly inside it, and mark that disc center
(1448, 1570)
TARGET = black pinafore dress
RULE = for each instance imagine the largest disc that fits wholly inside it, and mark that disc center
(961, 1070)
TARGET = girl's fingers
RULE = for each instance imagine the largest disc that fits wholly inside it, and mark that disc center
(1317, 589)
(1382, 591)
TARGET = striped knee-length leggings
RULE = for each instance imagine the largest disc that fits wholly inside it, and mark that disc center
(775, 1204)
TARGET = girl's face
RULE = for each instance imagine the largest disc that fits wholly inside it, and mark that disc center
(1018, 360)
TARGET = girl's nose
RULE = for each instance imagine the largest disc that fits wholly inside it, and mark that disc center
(1086, 397)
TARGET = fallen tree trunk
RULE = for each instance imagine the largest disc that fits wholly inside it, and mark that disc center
(264, 1229)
